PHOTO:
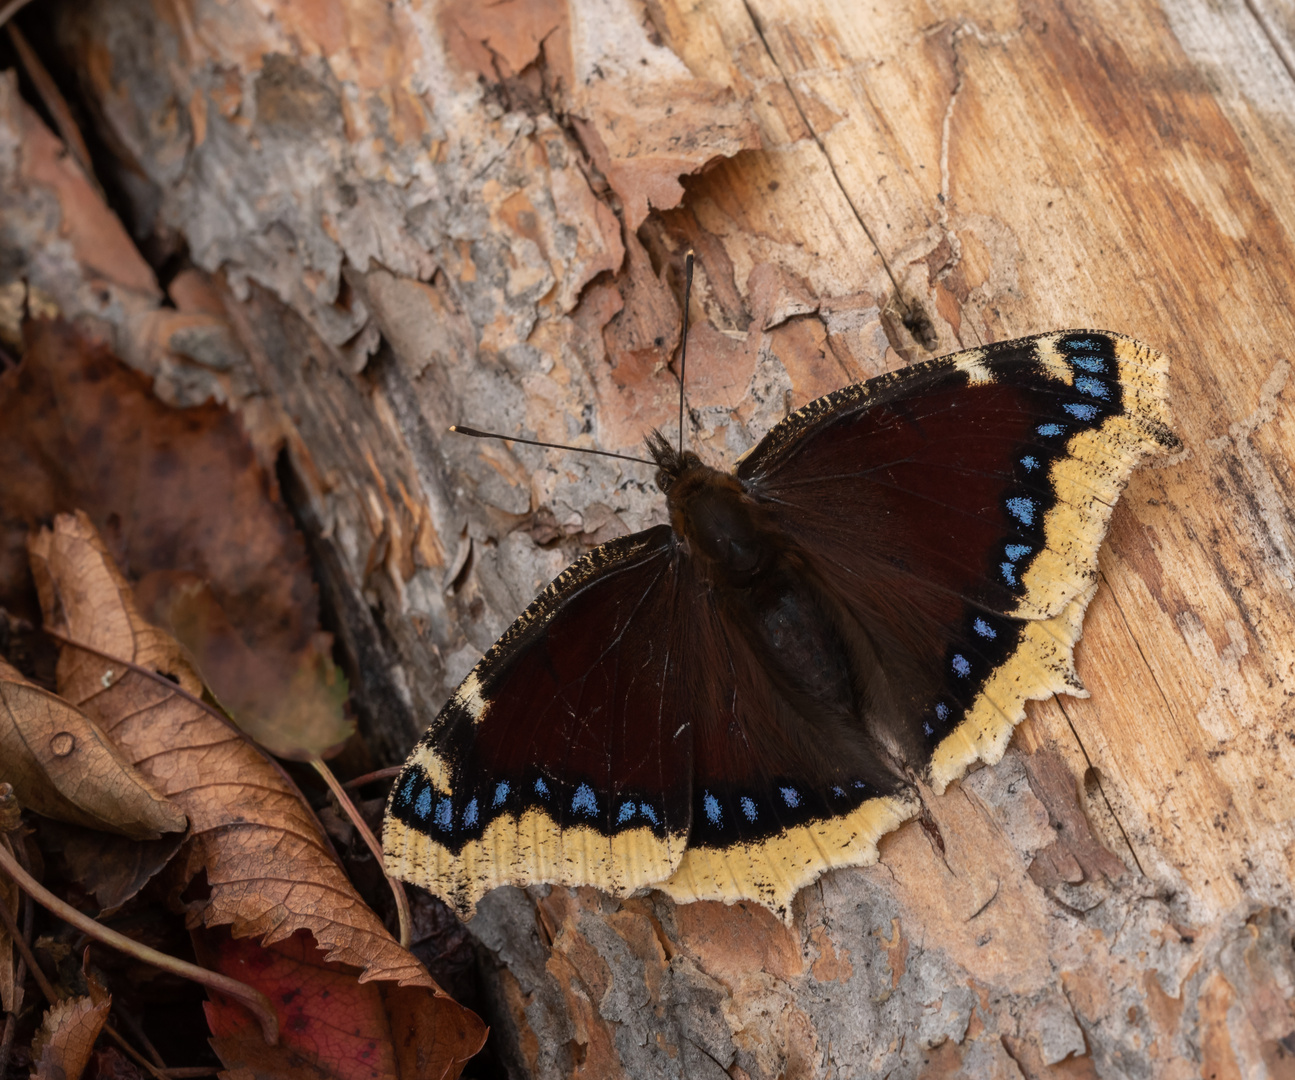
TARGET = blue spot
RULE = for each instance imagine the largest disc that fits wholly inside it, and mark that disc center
(838, 792)
(1017, 551)
(1083, 343)
(712, 808)
(984, 629)
(444, 813)
(1089, 363)
(627, 812)
(960, 665)
(646, 810)
(748, 808)
(860, 785)
(501, 793)
(1080, 411)
(470, 814)
(942, 711)
(407, 792)
(1009, 572)
(1030, 462)
(584, 800)
(1049, 429)
(1022, 509)
(1086, 384)
(541, 788)
(790, 796)
(424, 805)
(926, 726)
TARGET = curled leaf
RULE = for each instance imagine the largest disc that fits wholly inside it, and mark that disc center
(62, 766)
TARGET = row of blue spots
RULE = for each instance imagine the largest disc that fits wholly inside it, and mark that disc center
(1021, 507)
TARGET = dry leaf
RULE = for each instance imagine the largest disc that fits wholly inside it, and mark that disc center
(112, 869)
(66, 1037)
(294, 708)
(331, 1024)
(268, 864)
(62, 766)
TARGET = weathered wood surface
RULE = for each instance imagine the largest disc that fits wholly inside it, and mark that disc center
(429, 213)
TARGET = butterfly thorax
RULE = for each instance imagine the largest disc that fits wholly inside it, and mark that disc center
(763, 588)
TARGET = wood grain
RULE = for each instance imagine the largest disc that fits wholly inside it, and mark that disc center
(435, 214)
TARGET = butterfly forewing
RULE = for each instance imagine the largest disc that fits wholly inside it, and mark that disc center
(563, 757)
(957, 508)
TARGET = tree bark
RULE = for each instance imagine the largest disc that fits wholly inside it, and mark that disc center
(415, 214)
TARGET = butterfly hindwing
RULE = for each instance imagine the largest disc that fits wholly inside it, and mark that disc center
(957, 507)
(561, 757)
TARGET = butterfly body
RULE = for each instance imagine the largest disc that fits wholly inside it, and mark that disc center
(729, 705)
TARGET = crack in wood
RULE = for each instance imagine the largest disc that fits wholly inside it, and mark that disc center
(914, 318)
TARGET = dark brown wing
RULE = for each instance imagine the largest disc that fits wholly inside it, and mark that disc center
(956, 508)
(563, 757)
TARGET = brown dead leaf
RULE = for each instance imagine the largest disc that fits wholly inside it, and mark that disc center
(331, 1025)
(268, 865)
(170, 489)
(294, 709)
(62, 1046)
(112, 869)
(62, 766)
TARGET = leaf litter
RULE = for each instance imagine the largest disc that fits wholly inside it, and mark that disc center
(255, 861)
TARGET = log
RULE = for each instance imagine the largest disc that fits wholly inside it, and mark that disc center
(417, 213)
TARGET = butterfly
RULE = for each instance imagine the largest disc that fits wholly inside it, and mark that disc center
(729, 705)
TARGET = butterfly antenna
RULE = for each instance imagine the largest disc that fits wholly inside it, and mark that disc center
(683, 350)
(459, 429)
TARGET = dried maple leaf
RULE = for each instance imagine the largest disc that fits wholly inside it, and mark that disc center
(62, 766)
(62, 1046)
(330, 1024)
(267, 863)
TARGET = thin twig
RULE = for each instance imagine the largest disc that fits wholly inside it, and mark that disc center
(11, 9)
(24, 950)
(248, 996)
(397, 887)
(135, 1056)
(388, 773)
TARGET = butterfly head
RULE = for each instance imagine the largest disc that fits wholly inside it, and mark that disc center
(671, 464)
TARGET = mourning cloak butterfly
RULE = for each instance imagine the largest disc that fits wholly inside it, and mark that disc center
(729, 705)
